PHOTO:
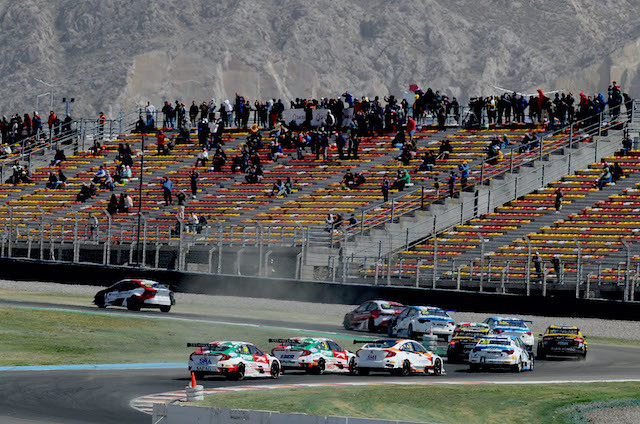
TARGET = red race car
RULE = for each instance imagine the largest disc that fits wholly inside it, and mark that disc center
(373, 316)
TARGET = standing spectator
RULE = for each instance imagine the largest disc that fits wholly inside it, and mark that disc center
(452, 184)
(556, 267)
(538, 265)
(112, 207)
(558, 202)
(627, 145)
(385, 189)
(167, 188)
(51, 120)
(128, 203)
(464, 174)
(193, 112)
(193, 179)
(181, 204)
(160, 139)
(93, 225)
(411, 127)
(101, 120)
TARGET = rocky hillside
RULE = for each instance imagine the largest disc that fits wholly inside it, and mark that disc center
(113, 54)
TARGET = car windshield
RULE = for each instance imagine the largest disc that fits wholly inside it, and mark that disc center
(511, 323)
(562, 331)
(495, 342)
(389, 306)
(434, 312)
(381, 344)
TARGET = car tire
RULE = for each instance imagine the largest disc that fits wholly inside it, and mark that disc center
(362, 371)
(474, 367)
(239, 374)
(165, 308)
(405, 370)
(319, 370)
(275, 370)
(517, 368)
(438, 367)
(352, 367)
(100, 302)
(133, 303)
(372, 326)
(346, 322)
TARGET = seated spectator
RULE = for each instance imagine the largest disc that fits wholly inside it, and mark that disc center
(53, 182)
(96, 149)
(627, 145)
(399, 139)
(359, 179)
(84, 193)
(112, 207)
(605, 177)
(348, 180)
(276, 151)
(100, 175)
(278, 188)
(428, 161)
(288, 186)
(330, 221)
(202, 158)
(61, 177)
(402, 180)
(5, 150)
(58, 158)
(251, 176)
(616, 172)
(445, 150)
(193, 222)
(353, 222)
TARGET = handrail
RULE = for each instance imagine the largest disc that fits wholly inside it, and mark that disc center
(385, 217)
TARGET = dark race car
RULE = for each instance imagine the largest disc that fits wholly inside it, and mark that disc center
(465, 337)
(562, 341)
(373, 316)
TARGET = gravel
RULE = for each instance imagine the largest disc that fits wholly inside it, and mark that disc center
(623, 415)
(629, 330)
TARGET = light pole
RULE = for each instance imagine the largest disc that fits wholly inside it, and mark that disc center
(48, 93)
(67, 101)
(51, 87)
(140, 204)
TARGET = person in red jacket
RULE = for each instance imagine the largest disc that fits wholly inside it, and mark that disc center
(52, 119)
(411, 127)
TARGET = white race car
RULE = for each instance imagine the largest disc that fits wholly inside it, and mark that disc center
(235, 360)
(399, 357)
(511, 326)
(415, 321)
(314, 355)
(501, 352)
(136, 294)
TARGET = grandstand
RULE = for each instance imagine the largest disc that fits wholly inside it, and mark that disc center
(485, 239)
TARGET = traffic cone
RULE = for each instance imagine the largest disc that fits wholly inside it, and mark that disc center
(193, 379)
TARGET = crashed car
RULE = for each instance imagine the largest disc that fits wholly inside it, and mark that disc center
(313, 355)
(373, 316)
(398, 357)
(465, 336)
(562, 341)
(415, 321)
(512, 326)
(135, 294)
(501, 352)
(234, 360)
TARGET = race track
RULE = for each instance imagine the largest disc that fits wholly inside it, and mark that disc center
(103, 396)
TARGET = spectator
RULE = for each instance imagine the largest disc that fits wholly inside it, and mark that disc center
(330, 222)
(93, 225)
(193, 222)
(288, 186)
(193, 180)
(537, 263)
(428, 161)
(181, 197)
(452, 184)
(353, 222)
(464, 174)
(616, 173)
(84, 193)
(112, 207)
(411, 127)
(348, 180)
(52, 182)
(627, 145)
(160, 140)
(167, 188)
(385, 189)
(605, 177)
(445, 150)
(202, 158)
(58, 158)
(100, 175)
(61, 177)
(5, 150)
(402, 180)
(278, 188)
(558, 201)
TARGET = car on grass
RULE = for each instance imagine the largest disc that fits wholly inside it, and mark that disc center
(135, 294)
(313, 355)
(501, 352)
(397, 356)
(234, 360)
(373, 316)
(512, 326)
(562, 341)
(415, 321)
(465, 336)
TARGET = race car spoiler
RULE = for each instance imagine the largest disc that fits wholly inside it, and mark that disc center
(370, 341)
(288, 341)
(200, 344)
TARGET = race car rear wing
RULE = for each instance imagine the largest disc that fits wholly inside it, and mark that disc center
(208, 345)
(371, 341)
(286, 341)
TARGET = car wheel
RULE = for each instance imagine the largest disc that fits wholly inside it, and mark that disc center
(517, 367)
(352, 366)
(346, 322)
(319, 370)
(474, 367)
(133, 303)
(410, 332)
(100, 302)
(239, 374)
(275, 370)
(165, 308)
(362, 371)
(372, 326)
(406, 368)
(437, 367)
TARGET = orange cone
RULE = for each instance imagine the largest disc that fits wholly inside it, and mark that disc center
(193, 379)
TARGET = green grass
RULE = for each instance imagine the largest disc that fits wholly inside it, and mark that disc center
(477, 403)
(29, 336)
(612, 341)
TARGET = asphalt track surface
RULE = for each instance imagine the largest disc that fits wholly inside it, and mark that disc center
(103, 396)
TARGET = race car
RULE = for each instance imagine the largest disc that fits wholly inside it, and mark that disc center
(511, 326)
(501, 352)
(415, 321)
(399, 357)
(465, 336)
(136, 294)
(313, 355)
(234, 360)
(372, 315)
(562, 341)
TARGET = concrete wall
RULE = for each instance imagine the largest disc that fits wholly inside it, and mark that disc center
(176, 414)
(319, 291)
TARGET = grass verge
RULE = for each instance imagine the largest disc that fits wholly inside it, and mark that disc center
(41, 337)
(479, 403)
